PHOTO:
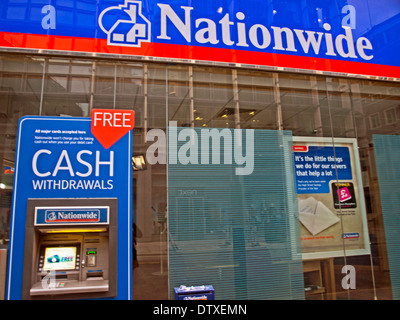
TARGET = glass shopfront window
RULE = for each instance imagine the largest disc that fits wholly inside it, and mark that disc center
(185, 223)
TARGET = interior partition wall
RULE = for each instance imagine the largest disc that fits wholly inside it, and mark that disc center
(168, 205)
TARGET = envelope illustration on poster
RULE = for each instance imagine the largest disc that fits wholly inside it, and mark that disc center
(315, 216)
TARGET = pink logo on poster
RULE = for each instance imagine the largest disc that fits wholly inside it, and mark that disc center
(344, 194)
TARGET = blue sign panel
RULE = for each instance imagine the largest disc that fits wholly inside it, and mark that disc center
(59, 158)
(330, 35)
(317, 166)
(195, 293)
(70, 216)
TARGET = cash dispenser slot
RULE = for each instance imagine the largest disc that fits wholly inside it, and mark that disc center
(94, 274)
(71, 256)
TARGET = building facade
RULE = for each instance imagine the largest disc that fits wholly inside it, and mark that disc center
(265, 142)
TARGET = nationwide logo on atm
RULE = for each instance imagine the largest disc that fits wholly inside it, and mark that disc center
(72, 215)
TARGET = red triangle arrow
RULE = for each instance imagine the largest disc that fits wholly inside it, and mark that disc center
(110, 125)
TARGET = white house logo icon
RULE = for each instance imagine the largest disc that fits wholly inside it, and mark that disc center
(125, 24)
(50, 216)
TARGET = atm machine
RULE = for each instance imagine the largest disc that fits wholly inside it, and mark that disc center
(70, 249)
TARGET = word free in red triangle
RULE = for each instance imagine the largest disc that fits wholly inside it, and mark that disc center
(110, 125)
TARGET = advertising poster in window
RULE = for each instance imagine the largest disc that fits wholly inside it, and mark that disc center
(332, 214)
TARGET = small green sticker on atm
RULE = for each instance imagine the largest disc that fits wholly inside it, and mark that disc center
(91, 252)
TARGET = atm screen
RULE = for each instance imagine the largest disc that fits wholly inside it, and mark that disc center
(59, 258)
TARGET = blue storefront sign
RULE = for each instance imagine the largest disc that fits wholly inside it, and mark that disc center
(59, 158)
(341, 36)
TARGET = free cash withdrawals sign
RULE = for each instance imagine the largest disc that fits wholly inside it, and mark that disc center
(59, 157)
(330, 197)
(355, 37)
